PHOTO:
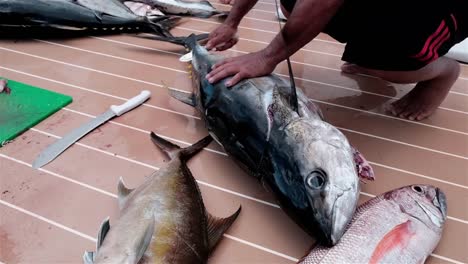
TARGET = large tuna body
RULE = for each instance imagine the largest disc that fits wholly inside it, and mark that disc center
(307, 162)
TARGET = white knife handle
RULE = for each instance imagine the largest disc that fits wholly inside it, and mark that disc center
(130, 104)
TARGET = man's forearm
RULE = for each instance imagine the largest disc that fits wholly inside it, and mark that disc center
(238, 11)
(307, 20)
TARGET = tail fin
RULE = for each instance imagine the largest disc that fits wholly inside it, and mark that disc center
(162, 25)
(173, 151)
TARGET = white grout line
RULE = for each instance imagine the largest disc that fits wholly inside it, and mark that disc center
(447, 259)
(200, 182)
(110, 56)
(222, 153)
(307, 64)
(156, 168)
(262, 248)
(391, 117)
(284, 75)
(78, 233)
(136, 46)
(312, 65)
(143, 131)
(271, 32)
(87, 186)
(403, 143)
(97, 92)
(157, 85)
(419, 175)
(115, 196)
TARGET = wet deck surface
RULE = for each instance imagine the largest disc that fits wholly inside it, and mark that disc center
(53, 215)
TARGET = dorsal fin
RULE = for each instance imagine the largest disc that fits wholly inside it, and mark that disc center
(122, 192)
(105, 227)
(218, 226)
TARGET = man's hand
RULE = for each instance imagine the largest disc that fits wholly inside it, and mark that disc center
(227, 2)
(222, 38)
(242, 67)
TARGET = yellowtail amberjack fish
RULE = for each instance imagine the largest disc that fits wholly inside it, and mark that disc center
(164, 220)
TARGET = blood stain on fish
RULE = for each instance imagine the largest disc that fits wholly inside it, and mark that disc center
(397, 238)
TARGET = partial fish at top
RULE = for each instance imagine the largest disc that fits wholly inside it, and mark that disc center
(110, 7)
(66, 14)
(202, 9)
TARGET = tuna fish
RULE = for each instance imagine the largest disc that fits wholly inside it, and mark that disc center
(71, 15)
(401, 226)
(142, 9)
(202, 9)
(164, 220)
(308, 163)
(110, 7)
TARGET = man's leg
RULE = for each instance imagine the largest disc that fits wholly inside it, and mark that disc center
(433, 84)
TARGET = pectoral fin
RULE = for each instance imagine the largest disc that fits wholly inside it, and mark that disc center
(217, 226)
(145, 241)
(105, 227)
(185, 98)
(88, 257)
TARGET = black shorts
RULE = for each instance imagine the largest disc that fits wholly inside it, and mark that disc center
(397, 35)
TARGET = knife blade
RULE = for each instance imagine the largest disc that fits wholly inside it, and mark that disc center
(56, 148)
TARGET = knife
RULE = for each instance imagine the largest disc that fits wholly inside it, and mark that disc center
(54, 149)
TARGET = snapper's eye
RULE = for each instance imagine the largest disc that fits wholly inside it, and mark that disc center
(417, 189)
(316, 179)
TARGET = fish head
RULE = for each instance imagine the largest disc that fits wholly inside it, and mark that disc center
(321, 162)
(425, 203)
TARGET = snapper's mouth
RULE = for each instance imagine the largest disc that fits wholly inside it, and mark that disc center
(433, 216)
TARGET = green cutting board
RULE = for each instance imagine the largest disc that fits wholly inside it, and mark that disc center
(25, 107)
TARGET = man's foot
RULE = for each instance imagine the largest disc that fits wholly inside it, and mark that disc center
(421, 102)
(434, 83)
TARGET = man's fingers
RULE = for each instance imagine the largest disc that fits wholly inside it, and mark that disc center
(214, 40)
(224, 72)
(237, 78)
(227, 60)
(227, 45)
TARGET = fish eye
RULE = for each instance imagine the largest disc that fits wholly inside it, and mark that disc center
(316, 179)
(417, 189)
